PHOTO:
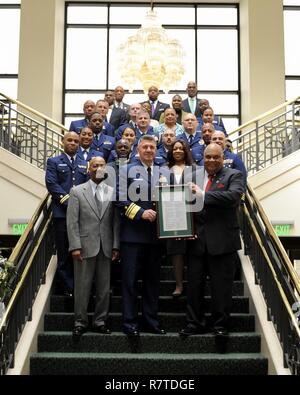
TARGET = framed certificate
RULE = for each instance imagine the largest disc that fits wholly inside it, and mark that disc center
(174, 218)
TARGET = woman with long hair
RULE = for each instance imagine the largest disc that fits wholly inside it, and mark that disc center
(179, 159)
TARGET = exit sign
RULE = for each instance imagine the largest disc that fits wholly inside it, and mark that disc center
(282, 230)
(19, 229)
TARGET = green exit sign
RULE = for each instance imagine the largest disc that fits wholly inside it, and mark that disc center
(19, 229)
(282, 230)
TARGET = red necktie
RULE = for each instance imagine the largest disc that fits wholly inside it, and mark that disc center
(209, 182)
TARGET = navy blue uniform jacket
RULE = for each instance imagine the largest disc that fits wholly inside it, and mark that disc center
(133, 179)
(60, 178)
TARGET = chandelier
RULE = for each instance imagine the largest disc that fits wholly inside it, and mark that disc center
(151, 57)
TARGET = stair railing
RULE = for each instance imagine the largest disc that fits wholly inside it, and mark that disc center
(28, 133)
(269, 137)
(260, 142)
(276, 275)
(30, 259)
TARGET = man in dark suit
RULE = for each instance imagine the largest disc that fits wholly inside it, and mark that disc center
(191, 103)
(216, 244)
(62, 173)
(93, 228)
(157, 107)
(139, 243)
(119, 95)
(115, 116)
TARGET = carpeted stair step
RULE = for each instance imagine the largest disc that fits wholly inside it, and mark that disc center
(117, 342)
(172, 322)
(150, 364)
(167, 287)
(240, 304)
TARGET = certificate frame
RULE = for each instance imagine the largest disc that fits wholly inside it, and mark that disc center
(165, 228)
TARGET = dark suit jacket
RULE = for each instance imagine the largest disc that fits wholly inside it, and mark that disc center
(118, 117)
(217, 225)
(125, 108)
(186, 107)
(159, 109)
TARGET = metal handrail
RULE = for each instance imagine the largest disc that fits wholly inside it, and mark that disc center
(29, 228)
(30, 257)
(37, 113)
(288, 264)
(28, 133)
(22, 279)
(276, 276)
(264, 115)
(268, 137)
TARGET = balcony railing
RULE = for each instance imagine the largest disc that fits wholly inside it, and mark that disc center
(269, 137)
(28, 133)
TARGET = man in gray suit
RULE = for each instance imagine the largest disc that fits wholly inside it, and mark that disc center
(93, 231)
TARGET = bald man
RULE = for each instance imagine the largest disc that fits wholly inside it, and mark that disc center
(93, 231)
(62, 173)
(215, 248)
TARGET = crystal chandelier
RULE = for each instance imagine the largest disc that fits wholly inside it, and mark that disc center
(151, 57)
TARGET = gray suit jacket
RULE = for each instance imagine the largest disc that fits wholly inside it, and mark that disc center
(87, 230)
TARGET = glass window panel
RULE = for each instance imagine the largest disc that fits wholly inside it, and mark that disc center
(86, 58)
(87, 14)
(167, 15)
(219, 69)
(291, 2)
(132, 98)
(186, 37)
(9, 86)
(176, 15)
(222, 104)
(216, 16)
(291, 33)
(187, 40)
(117, 37)
(68, 120)
(128, 15)
(292, 89)
(9, 32)
(74, 101)
(230, 124)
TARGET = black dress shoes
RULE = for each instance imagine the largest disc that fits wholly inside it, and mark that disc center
(190, 330)
(78, 331)
(68, 293)
(220, 331)
(158, 331)
(132, 332)
(102, 329)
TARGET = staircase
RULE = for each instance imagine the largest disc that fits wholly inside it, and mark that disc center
(151, 354)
